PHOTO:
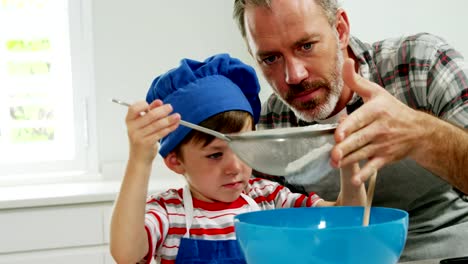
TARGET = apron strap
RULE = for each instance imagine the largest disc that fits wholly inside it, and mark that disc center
(253, 205)
(188, 205)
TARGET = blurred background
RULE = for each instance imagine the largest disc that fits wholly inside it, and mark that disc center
(135, 43)
(63, 144)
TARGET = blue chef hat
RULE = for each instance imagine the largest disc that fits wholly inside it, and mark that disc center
(198, 90)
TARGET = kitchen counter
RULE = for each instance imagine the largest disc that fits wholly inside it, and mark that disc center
(36, 220)
(72, 193)
(427, 261)
(88, 192)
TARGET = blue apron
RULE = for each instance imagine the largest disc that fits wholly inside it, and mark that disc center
(199, 251)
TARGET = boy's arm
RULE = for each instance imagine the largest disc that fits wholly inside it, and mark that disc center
(129, 241)
(350, 194)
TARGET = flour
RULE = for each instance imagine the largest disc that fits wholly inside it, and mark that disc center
(315, 155)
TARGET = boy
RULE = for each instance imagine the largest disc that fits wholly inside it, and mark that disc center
(195, 224)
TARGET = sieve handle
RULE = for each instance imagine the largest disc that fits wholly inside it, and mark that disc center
(120, 102)
(184, 123)
(205, 130)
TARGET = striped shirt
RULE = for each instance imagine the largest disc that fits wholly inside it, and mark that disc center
(165, 216)
(427, 74)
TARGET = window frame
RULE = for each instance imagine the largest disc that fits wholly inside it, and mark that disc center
(85, 164)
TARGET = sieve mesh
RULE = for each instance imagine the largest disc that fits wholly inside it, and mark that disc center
(287, 152)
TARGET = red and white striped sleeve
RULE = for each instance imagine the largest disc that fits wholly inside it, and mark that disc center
(271, 195)
(156, 221)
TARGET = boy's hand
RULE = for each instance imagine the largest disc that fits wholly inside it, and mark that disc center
(351, 193)
(146, 125)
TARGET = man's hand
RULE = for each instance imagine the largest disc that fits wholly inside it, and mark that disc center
(383, 130)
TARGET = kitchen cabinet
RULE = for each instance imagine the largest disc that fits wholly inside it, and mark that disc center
(55, 234)
(64, 223)
(57, 256)
(60, 223)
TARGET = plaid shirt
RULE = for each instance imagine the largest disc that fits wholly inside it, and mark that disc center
(427, 74)
(422, 71)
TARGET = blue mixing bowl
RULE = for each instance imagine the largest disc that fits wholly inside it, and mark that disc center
(322, 235)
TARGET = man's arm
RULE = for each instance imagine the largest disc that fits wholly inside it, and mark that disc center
(443, 150)
(384, 130)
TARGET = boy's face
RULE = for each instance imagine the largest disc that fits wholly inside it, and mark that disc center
(214, 172)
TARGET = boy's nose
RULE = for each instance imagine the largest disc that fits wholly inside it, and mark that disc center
(233, 165)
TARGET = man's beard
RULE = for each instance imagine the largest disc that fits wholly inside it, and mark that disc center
(318, 108)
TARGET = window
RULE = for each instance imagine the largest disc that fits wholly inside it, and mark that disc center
(45, 83)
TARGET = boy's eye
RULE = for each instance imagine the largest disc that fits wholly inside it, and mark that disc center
(215, 155)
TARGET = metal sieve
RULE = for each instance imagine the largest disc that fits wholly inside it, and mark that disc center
(294, 151)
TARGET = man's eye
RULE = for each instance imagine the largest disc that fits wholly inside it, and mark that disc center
(216, 155)
(270, 59)
(307, 46)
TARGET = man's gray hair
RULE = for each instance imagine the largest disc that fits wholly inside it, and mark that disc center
(329, 7)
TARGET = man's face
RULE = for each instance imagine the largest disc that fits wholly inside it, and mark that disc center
(299, 54)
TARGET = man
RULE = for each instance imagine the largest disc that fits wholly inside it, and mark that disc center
(407, 101)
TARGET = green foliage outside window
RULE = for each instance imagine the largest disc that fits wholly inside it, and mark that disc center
(31, 112)
(32, 134)
(28, 68)
(24, 45)
(21, 4)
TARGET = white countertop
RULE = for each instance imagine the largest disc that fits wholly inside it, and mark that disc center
(427, 261)
(87, 192)
(71, 193)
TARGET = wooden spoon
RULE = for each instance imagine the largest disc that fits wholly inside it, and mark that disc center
(370, 195)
